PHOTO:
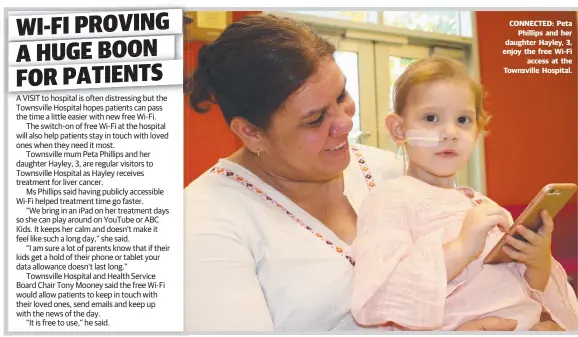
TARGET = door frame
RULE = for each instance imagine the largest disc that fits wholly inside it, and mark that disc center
(383, 52)
(367, 90)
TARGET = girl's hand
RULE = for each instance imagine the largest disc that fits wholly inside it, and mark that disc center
(476, 225)
(536, 253)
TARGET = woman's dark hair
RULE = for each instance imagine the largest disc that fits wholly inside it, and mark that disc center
(254, 65)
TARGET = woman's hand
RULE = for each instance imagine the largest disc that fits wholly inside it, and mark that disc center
(536, 253)
(547, 326)
(491, 323)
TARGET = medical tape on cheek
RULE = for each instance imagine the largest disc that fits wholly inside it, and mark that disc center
(422, 138)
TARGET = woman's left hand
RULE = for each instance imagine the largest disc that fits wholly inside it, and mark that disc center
(547, 326)
(490, 323)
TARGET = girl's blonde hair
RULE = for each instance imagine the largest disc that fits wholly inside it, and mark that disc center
(433, 69)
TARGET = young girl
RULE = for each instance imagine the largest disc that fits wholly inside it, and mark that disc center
(421, 241)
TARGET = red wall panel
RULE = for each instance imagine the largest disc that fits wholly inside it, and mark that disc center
(533, 133)
(533, 137)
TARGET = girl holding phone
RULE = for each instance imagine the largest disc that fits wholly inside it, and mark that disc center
(421, 242)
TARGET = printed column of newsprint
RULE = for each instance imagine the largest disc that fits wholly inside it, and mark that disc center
(95, 128)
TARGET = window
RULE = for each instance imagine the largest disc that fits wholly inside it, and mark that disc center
(435, 22)
(349, 64)
(397, 66)
(441, 22)
(355, 16)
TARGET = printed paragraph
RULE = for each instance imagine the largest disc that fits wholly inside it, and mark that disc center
(540, 47)
(90, 207)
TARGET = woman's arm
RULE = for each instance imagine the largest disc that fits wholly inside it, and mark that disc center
(222, 292)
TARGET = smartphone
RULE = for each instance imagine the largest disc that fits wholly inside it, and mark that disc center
(552, 198)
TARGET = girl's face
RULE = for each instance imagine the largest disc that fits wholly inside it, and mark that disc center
(445, 108)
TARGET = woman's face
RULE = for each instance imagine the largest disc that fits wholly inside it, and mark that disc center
(307, 139)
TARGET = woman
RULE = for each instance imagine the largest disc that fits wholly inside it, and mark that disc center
(268, 230)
